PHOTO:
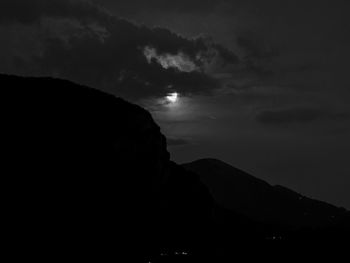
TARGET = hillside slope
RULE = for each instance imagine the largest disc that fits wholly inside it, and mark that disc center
(239, 191)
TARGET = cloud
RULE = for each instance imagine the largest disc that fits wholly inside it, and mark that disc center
(189, 6)
(255, 47)
(299, 116)
(80, 41)
(257, 53)
(179, 61)
(22, 11)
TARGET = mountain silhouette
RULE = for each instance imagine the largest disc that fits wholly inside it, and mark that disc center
(84, 170)
(241, 192)
(89, 174)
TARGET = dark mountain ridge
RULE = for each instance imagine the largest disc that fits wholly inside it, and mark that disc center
(241, 192)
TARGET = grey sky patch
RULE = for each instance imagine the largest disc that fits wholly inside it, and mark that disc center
(299, 116)
(175, 142)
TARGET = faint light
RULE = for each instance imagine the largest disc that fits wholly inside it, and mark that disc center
(274, 238)
(172, 97)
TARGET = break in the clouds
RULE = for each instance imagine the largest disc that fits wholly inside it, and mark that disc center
(82, 42)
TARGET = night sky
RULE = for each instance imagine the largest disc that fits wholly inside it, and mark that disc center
(262, 85)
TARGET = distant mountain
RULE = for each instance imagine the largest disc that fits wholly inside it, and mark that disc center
(245, 194)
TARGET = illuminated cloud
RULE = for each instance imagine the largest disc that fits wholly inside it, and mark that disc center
(179, 61)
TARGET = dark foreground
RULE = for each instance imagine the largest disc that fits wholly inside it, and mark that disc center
(88, 176)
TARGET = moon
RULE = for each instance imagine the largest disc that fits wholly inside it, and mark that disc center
(172, 97)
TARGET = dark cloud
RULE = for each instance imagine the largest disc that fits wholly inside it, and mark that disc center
(255, 47)
(82, 42)
(300, 115)
(32, 11)
(192, 6)
(257, 53)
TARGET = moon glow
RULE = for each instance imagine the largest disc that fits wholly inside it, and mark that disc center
(172, 97)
